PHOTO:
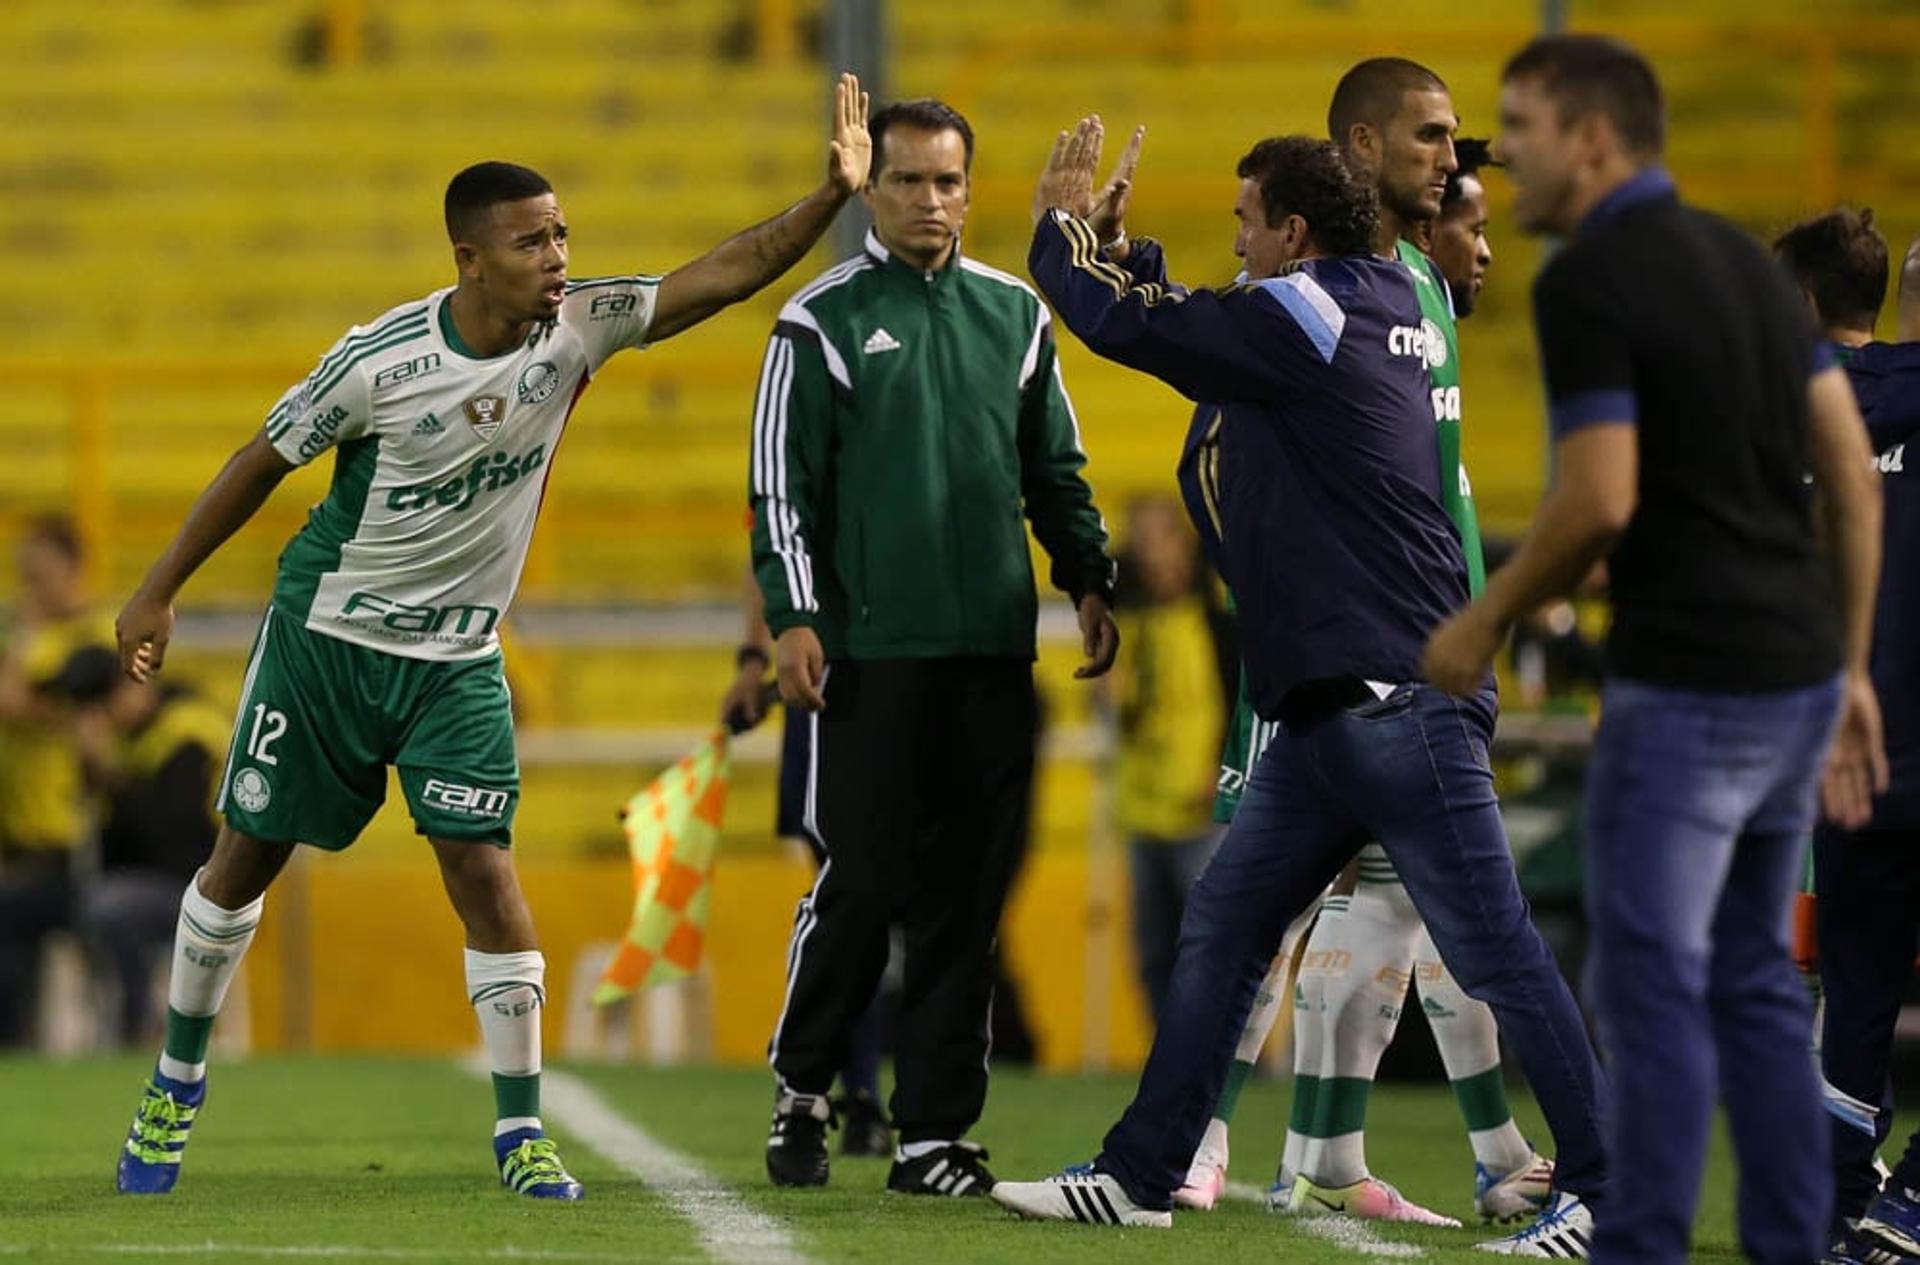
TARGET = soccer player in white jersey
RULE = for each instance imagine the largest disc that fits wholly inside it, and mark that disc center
(380, 644)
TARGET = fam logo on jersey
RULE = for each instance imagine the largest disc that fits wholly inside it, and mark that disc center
(485, 413)
(538, 382)
(407, 371)
(251, 791)
(607, 306)
(1436, 344)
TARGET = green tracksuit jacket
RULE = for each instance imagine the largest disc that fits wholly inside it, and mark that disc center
(907, 426)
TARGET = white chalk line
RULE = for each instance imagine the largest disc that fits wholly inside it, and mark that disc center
(732, 1231)
(1347, 1233)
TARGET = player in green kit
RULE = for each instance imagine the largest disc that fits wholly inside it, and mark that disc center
(1394, 120)
(380, 646)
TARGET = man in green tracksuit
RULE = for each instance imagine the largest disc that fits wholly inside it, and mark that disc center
(910, 410)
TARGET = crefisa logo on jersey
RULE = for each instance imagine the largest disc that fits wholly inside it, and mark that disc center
(250, 790)
(485, 413)
(538, 382)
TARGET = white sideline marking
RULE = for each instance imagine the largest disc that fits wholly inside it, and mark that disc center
(1348, 1233)
(732, 1232)
(321, 1251)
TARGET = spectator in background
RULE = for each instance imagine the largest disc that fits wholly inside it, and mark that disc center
(1167, 696)
(151, 753)
(42, 804)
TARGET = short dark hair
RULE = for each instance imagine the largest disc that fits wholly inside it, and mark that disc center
(925, 114)
(1596, 74)
(1301, 176)
(57, 531)
(475, 191)
(1372, 91)
(1473, 155)
(1840, 259)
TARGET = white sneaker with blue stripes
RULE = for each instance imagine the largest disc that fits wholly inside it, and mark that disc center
(1562, 1231)
(1079, 1194)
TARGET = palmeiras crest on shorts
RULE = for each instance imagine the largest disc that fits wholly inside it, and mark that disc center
(250, 790)
(485, 413)
(538, 382)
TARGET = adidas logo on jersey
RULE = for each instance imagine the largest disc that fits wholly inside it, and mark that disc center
(879, 341)
(428, 425)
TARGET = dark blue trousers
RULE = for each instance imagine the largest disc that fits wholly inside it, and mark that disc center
(1410, 771)
(1867, 889)
(1699, 806)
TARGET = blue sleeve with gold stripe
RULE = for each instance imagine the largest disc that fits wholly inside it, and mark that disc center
(1244, 343)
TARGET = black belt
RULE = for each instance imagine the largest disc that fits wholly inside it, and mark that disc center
(1310, 702)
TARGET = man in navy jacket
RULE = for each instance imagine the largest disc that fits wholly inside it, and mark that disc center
(1311, 472)
(1868, 880)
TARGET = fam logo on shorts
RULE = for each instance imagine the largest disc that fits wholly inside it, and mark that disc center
(467, 801)
(251, 791)
(538, 382)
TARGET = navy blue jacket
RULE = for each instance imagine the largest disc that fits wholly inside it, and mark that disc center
(1311, 469)
(1886, 378)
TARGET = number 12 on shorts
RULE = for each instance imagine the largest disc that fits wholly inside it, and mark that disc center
(268, 727)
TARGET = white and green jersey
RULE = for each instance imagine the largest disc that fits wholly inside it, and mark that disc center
(442, 460)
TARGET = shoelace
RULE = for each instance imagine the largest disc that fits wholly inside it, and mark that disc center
(1552, 1218)
(154, 1125)
(535, 1160)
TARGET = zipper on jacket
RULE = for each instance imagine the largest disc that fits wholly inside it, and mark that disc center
(936, 329)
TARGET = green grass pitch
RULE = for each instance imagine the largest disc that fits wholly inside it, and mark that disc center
(387, 1160)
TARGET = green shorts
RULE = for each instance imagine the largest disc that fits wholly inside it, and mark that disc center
(321, 719)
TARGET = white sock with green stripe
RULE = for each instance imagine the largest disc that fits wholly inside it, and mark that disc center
(208, 943)
(1362, 960)
(1469, 1042)
(508, 991)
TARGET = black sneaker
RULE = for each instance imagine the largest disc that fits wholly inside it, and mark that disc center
(797, 1143)
(955, 1169)
(864, 1131)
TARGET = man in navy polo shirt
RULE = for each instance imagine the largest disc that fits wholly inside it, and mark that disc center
(1689, 395)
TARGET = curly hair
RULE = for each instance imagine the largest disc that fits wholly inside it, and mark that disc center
(1299, 175)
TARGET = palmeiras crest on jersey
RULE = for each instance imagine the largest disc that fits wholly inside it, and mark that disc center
(537, 382)
(485, 413)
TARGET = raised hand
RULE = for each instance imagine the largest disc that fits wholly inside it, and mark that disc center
(1067, 181)
(1108, 219)
(850, 151)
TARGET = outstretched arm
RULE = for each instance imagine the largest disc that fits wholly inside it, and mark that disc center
(146, 622)
(749, 260)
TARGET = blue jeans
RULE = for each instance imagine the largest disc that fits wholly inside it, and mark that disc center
(1698, 810)
(1410, 771)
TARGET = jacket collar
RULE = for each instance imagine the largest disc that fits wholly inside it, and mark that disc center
(887, 259)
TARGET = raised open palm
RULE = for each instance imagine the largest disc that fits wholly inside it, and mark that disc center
(850, 152)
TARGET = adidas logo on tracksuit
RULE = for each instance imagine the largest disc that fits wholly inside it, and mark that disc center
(879, 341)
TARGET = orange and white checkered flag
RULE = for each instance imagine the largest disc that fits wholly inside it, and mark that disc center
(673, 832)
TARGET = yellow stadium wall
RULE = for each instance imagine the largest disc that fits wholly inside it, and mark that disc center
(385, 974)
